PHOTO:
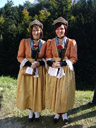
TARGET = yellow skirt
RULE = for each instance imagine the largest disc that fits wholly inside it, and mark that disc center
(60, 93)
(31, 90)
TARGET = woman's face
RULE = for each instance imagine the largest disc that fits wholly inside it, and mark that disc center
(60, 31)
(36, 32)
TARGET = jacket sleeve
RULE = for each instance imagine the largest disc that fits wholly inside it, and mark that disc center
(21, 51)
(48, 53)
(73, 52)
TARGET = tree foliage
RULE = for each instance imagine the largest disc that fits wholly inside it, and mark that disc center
(81, 15)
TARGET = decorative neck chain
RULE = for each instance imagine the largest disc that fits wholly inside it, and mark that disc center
(60, 37)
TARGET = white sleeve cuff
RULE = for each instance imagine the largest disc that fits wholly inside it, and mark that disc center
(69, 63)
(23, 63)
(49, 59)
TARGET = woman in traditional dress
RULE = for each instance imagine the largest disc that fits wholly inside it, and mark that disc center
(61, 54)
(30, 88)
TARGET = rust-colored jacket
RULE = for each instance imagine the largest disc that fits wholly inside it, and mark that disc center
(25, 50)
(71, 51)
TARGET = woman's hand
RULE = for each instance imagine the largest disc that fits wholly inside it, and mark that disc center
(56, 64)
(37, 64)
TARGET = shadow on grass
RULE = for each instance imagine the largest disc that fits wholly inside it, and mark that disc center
(45, 122)
(92, 126)
(1, 97)
(0, 100)
(80, 108)
(82, 116)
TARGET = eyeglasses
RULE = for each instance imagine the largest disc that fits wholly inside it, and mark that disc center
(36, 31)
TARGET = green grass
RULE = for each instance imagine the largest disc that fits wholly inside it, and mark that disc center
(81, 116)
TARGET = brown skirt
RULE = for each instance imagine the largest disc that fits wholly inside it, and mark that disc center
(31, 91)
(60, 93)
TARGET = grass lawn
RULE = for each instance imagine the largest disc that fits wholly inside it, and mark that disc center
(81, 116)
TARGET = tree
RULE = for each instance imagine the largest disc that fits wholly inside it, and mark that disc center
(83, 23)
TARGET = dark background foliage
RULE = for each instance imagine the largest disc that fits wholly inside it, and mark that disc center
(81, 15)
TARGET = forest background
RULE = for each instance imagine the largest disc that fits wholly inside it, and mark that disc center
(81, 15)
